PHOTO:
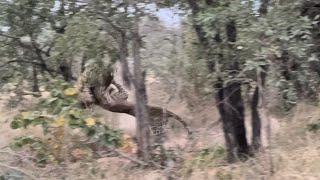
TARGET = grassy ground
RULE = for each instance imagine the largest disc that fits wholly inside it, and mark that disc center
(293, 153)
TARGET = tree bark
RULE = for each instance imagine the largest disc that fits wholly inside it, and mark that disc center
(123, 54)
(263, 7)
(35, 86)
(258, 94)
(66, 72)
(255, 121)
(199, 30)
(234, 105)
(234, 115)
(228, 98)
(227, 125)
(141, 110)
(83, 63)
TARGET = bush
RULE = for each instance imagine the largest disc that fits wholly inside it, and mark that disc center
(55, 114)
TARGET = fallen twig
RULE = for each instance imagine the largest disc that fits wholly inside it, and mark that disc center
(17, 155)
(126, 156)
(19, 170)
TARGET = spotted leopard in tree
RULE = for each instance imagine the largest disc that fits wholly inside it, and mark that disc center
(94, 76)
(117, 94)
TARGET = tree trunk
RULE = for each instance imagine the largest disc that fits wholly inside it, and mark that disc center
(35, 86)
(227, 124)
(123, 54)
(234, 105)
(258, 94)
(141, 109)
(263, 7)
(231, 109)
(229, 100)
(255, 121)
(83, 63)
(66, 72)
(234, 114)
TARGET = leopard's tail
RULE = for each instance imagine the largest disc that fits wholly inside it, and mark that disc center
(178, 118)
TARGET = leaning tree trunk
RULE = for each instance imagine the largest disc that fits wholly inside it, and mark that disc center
(141, 110)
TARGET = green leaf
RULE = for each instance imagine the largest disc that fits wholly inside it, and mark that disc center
(51, 100)
(15, 124)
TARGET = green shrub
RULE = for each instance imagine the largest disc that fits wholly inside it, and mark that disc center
(56, 114)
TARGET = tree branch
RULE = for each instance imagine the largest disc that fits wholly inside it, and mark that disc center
(129, 108)
(27, 62)
(33, 47)
(38, 53)
(105, 18)
(199, 30)
(127, 156)
(9, 36)
(47, 52)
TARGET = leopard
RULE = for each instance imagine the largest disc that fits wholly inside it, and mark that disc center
(93, 76)
(117, 94)
(158, 122)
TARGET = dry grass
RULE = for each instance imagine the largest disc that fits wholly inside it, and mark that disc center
(294, 153)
